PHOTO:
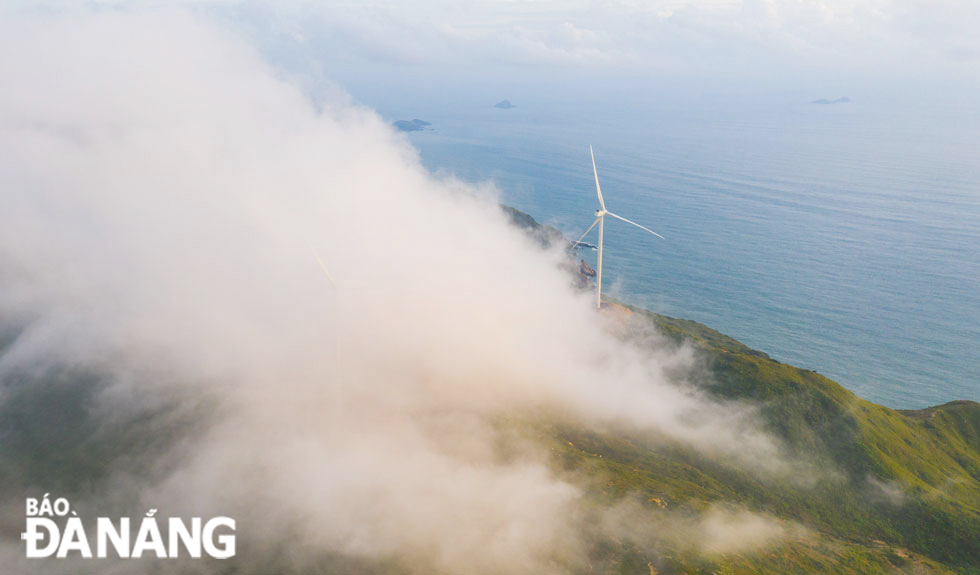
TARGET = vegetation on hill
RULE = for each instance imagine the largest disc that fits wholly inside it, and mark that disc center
(899, 491)
(541, 233)
(903, 492)
(876, 491)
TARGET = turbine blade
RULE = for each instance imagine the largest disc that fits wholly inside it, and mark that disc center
(588, 230)
(323, 267)
(635, 224)
(598, 190)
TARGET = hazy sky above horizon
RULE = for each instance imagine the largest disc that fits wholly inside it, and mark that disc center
(924, 50)
(902, 50)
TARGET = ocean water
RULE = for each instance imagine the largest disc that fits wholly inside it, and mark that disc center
(840, 238)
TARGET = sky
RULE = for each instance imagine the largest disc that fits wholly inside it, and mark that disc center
(925, 50)
(910, 51)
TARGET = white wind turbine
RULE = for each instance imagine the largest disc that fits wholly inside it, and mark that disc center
(600, 216)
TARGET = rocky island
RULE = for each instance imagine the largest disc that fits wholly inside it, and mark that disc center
(415, 125)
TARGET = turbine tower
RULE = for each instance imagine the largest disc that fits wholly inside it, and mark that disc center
(600, 218)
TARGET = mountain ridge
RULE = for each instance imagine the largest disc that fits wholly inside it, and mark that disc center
(906, 497)
(868, 489)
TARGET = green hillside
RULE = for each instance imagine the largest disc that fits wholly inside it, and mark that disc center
(898, 492)
(901, 492)
(904, 495)
(872, 490)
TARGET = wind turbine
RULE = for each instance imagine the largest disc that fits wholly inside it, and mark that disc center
(600, 218)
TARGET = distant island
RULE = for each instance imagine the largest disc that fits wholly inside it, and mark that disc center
(504, 105)
(843, 100)
(415, 125)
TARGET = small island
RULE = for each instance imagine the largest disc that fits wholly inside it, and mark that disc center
(415, 125)
(504, 105)
(824, 101)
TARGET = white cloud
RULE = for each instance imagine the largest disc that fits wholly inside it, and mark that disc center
(163, 195)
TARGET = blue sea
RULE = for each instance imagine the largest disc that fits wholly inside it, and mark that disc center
(842, 238)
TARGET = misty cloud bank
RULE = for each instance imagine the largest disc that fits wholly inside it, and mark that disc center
(164, 199)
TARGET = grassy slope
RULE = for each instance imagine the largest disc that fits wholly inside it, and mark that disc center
(931, 454)
(542, 233)
(903, 494)
(928, 461)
